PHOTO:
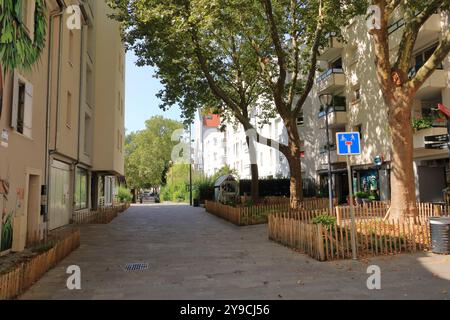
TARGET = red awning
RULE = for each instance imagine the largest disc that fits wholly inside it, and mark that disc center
(444, 110)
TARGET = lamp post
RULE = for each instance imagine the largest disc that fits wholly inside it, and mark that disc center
(190, 164)
(325, 101)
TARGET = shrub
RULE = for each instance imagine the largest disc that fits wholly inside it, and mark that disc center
(203, 189)
(124, 194)
(326, 220)
(362, 195)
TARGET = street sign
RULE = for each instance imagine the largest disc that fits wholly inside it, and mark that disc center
(436, 145)
(438, 138)
(348, 143)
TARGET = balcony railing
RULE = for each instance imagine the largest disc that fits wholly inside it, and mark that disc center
(329, 73)
(323, 148)
(332, 109)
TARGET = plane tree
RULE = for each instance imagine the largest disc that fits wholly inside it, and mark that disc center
(240, 57)
(399, 83)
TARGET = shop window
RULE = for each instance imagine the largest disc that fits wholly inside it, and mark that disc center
(81, 189)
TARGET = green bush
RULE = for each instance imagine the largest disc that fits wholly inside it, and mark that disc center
(203, 189)
(362, 195)
(326, 220)
(124, 195)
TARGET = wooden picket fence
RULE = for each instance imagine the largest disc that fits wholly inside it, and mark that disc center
(258, 214)
(379, 209)
(244, 216)
(296, 229)
(24, 274)
(100, 216)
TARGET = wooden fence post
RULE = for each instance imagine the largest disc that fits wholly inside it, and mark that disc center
(319, 240)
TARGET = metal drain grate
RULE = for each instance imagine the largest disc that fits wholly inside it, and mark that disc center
(136, 266)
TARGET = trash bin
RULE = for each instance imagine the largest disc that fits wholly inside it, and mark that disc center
(440, 235)
(196, 203)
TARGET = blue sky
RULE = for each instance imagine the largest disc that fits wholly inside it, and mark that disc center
(140, 96)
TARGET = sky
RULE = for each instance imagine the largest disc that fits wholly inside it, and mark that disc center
(140, 96)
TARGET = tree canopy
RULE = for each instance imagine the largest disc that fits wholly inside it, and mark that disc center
(148, 152)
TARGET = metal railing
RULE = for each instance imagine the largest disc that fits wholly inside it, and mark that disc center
(328, 74)
(332, 109)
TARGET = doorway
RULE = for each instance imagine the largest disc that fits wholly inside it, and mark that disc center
(59, 200)
(33, 208)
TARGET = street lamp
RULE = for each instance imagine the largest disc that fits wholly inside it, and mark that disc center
(325, 102)
(190, 165)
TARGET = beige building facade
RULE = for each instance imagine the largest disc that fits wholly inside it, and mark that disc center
(62, 128)
(349, 75)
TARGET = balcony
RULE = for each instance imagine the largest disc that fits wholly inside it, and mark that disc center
(433, 85)
(419, 136)
(334, 157)
(332, 50)
(428, 33)
(331, 80)
(337, 116)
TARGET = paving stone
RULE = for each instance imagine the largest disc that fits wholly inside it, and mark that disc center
(194, 255)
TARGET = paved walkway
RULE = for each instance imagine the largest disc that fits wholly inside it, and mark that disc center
(194, 255)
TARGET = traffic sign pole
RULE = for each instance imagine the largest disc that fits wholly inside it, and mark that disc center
(352, 213)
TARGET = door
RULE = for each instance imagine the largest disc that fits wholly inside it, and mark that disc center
(432, 182)
(33, 208)
(59, 200)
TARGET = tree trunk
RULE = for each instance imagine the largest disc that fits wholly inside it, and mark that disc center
(254, 191)
(403, 195)
(255, 183)
(295, 167)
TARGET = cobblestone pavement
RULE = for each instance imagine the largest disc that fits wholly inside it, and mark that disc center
(194, 255)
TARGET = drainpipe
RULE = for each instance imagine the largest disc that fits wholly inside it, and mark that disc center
(53, 15)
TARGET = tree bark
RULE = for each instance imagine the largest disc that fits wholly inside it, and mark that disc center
(403, 195)
(295, 166)
(255, 183)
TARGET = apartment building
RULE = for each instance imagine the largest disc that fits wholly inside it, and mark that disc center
(349, 75)
(214, 149)
(86, 113)
(359, 106)
(61, 146)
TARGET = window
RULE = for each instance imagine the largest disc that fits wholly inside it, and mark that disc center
(70, 56)
(22, 103)
(337, 64)
(81, 189)
(89, 86)
(300, 119)
(358, 128)
(27, 19)
(21, 109)
(423, 57)
(356, 94)
(69, 110)
(87, 134)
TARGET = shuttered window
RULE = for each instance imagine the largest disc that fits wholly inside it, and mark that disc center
(22, 106)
